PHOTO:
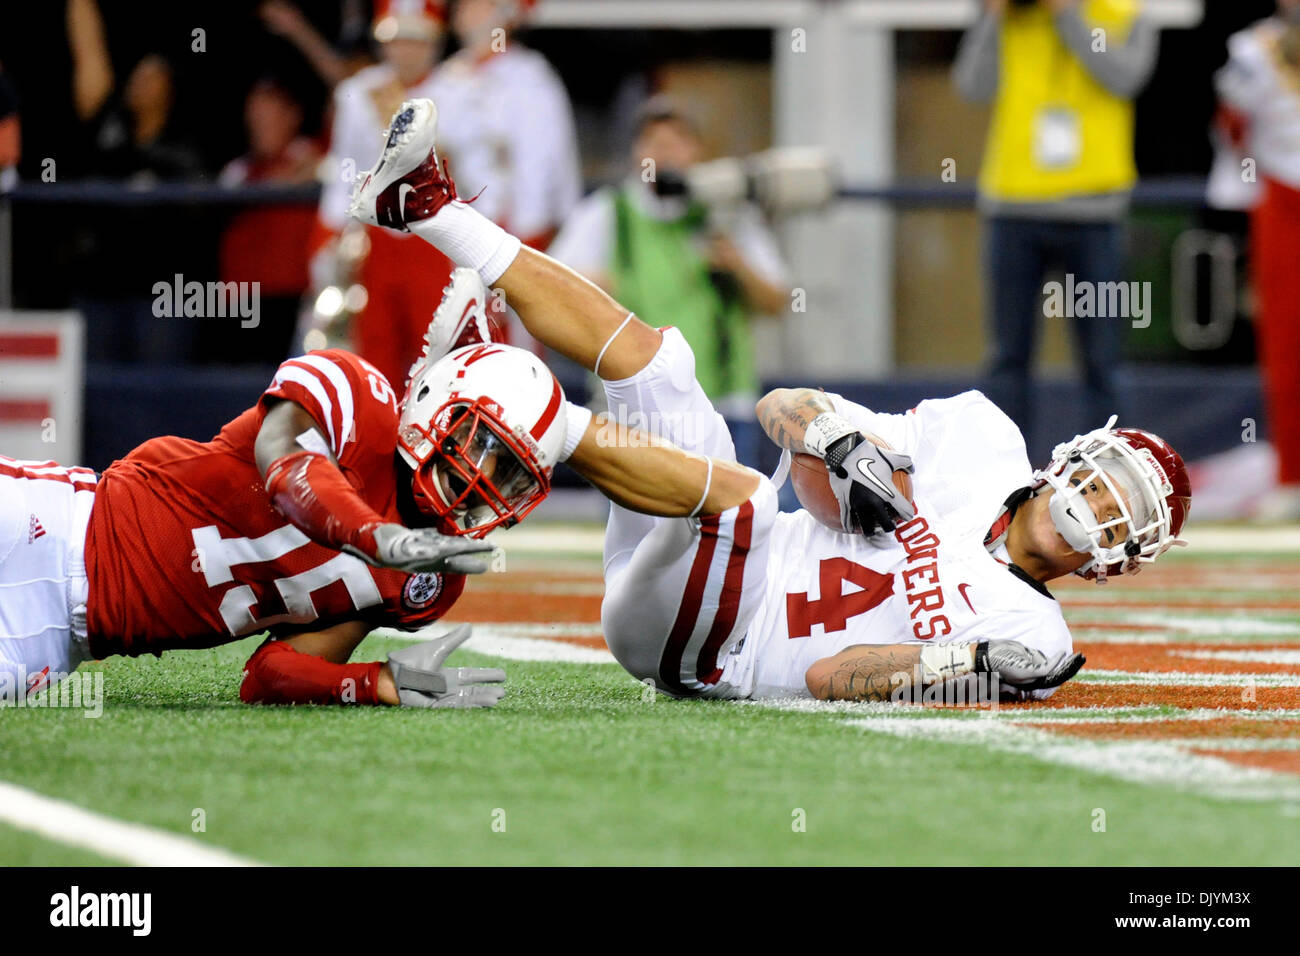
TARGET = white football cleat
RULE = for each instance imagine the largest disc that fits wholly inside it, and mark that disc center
(406, 184)
(461, 319)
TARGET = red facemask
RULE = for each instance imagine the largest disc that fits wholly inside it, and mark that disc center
(473, 473)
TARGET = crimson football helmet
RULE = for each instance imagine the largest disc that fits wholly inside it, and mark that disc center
(482, 429)
(1149, 483)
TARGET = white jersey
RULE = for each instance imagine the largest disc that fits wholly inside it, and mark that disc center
(363, 105)
(934, 580)
(506, 127)
(1256, 82)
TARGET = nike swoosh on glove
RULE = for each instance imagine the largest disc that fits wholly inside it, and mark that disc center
(1025, 668)
(862, 478)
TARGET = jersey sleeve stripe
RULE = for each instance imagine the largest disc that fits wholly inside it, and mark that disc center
(316, 389)
(342, 389)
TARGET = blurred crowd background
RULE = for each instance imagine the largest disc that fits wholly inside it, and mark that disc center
(977, 151)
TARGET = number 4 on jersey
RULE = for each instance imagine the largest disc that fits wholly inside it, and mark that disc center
(834, 608)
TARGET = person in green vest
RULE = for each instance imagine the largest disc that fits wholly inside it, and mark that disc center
(674, 262)
(1058, 168)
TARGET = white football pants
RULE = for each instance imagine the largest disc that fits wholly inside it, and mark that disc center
(44, 511)
(680, 592)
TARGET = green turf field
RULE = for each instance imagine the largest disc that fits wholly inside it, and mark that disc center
(575, 767)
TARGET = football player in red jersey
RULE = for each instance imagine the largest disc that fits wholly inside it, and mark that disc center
(327, 509)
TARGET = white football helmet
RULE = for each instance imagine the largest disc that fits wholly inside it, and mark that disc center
(482, 429)
(1149, 483)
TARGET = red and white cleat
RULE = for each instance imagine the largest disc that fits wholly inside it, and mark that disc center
(461, 319)
(407, 184)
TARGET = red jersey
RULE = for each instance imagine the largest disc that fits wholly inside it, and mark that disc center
(185, 550)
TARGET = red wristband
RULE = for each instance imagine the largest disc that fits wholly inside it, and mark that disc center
(309, 490)
(278, 674)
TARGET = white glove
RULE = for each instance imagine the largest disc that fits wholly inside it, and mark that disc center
(1025, 668)
(422, 681)
(422, 549)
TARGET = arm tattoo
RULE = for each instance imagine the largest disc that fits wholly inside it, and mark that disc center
(872, 675)
(786, 423)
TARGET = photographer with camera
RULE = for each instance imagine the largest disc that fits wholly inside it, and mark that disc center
(1057, 172)
(677, 258)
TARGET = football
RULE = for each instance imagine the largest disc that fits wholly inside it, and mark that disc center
(812, 486)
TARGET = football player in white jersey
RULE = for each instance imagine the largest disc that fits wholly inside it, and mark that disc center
(731, 599)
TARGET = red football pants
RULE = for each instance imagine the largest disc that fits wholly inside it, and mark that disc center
(404, 277)
(1275, 252)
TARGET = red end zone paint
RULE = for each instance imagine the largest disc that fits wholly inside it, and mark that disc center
(24, 410)
(17, 345)
(1176, 658)
(1228, 728)
(1283, 761)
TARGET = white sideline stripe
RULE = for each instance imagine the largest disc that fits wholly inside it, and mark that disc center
(1183, 679)
(1203, 624)
(1279, 656)
(1130, 715)
(1064, 715)
(499, 643)
(1227, 538)
(1096, 635)
(1209, 624)
(1166, 762)
(1122, 612)
(547, 538)
(503, 640)
(1243, 745)
(552, 630)
(132, 843)
(1145, 761)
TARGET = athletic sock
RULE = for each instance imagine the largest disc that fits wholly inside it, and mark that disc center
(469, 239)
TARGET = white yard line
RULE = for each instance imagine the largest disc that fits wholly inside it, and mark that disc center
(1215, 625)
(1236, 538)
(1131, 715)
(1184, 679)
(1098, 635)
(1094, 635)
(1178, 625)
(507, 641)
(550, 537)
(1166, 762)
(1242, 744)
(132, 843)
(1147, 761)
(1006, 714)
(1276, 656)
